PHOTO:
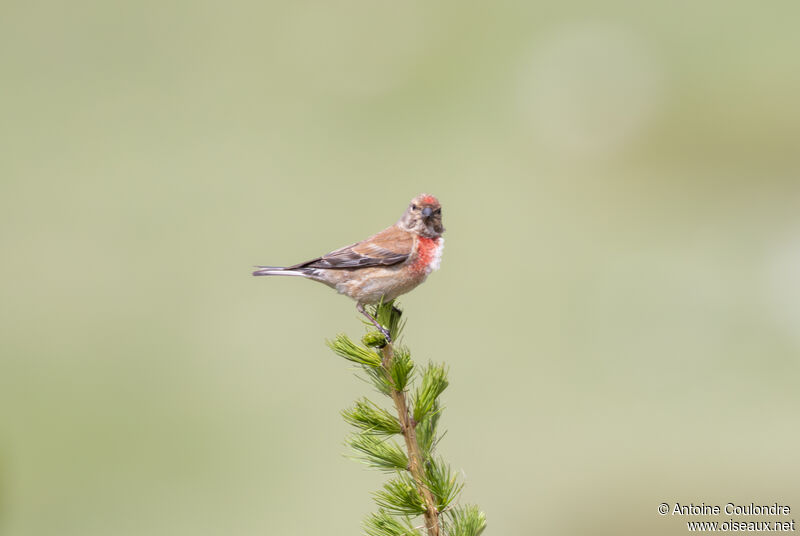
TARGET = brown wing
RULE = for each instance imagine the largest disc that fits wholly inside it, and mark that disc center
(390, 246)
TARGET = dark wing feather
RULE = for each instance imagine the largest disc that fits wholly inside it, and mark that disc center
(390, 246)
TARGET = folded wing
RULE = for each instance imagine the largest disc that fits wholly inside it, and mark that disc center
(390, 246)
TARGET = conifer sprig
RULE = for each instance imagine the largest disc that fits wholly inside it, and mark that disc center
(383, 524)
(399, 496)
(442, 483)
(423, 486)
(379, 453)
(434, 382)
(349, 350)
(427, 431)
(371, 418)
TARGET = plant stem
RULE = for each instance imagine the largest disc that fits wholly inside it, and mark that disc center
(415, 459)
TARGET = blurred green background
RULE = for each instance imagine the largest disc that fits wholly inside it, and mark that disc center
(619, 299)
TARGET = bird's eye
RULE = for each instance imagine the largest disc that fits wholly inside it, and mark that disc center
(437, 211)
(414, 207)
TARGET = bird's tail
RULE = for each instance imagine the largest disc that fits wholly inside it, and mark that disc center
(277, 270)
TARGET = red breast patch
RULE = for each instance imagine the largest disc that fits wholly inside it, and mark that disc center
(426, 252)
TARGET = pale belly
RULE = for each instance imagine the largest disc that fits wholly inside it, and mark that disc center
(381, 283)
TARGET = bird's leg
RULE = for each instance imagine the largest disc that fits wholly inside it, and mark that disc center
(375, 323)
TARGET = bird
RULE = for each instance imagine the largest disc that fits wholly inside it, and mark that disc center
(384, 266)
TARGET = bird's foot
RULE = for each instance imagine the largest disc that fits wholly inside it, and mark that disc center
(386, 334)
(374, 322)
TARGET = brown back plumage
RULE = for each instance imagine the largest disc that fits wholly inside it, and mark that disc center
(390, 246)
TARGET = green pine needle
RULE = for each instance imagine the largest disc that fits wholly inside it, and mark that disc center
(349, 350)
(466, 521)
(400, 497)
(434, 382)
(371, 418)
(401, 368)
(389, 317)
(378, 452)
(374, 339)
(442, 483)
(382, 524)
(378, 378)
(426, 431)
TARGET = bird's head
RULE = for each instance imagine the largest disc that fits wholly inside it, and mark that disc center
(423, 217)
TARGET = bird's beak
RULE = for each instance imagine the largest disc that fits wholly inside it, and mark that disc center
(426, 212)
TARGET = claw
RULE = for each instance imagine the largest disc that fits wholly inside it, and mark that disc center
(383, 330)
(386, 334)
